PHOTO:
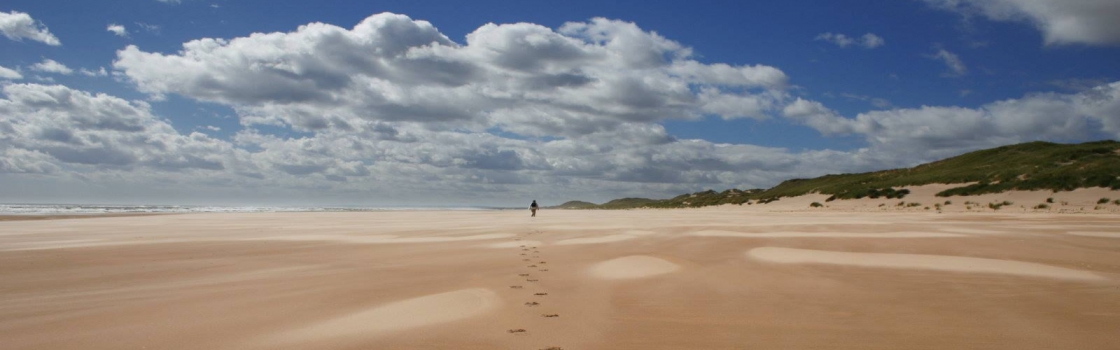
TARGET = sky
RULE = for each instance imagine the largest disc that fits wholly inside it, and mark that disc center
(488, 103)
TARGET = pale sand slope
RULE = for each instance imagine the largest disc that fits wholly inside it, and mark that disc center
(778, 234)
(638, 279)
(406, 314)
(1082, 201)
(918, 261)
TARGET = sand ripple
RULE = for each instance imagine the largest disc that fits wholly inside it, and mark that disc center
(977, 231)
(918, 261)
(593, 240)
(634, 266)
(381, 239)
(792, 234)
(515, 244)
(1095, 234)
(402, 315)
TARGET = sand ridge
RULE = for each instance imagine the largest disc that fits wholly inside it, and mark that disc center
(779, 234)
(596, 240)
(514, 244)
(971, 231)
(1095, 234)
(416, 312)
(918, 261)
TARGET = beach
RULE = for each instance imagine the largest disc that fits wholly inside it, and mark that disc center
(728, 277)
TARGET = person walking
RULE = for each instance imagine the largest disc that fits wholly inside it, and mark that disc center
(533, 207)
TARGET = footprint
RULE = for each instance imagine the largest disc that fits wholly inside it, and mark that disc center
(542, 262)
(532, 265)
(523, 274)
(540, 294)
(532, 303)
(531, 280)
(515, 287)
(553, 348)
(516, 331)
(543, 270)
(550, 315)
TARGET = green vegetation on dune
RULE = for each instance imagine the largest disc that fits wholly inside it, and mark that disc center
(1027, 166)
(576, 205)
(626, 203)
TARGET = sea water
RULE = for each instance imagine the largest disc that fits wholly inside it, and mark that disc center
(63, 209)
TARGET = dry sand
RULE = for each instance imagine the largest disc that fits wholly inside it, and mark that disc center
(776, 276)
(630, 267)
(918, 261)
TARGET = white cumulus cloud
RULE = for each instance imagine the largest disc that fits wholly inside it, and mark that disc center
(117, 29)
(523, 78)
(52, 66)
(938, 132)
(72, 128)
(9, 74)
(100, 72)
(18, 26)
(1090, 22)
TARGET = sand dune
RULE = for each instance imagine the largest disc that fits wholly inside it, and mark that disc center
(406, 314)
(631, 267)
(918, 261)
(719, 233)
(595, 240)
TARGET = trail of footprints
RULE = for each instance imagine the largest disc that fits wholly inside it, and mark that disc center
(532, 255)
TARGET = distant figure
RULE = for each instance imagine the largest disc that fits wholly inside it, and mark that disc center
(533, 207)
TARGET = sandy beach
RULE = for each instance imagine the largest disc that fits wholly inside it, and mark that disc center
(714, 278)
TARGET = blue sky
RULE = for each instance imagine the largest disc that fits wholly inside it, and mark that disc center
(735, 94)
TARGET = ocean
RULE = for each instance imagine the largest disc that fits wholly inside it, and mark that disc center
(63, 209)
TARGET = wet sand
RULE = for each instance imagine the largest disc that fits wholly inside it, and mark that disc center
(713, 278)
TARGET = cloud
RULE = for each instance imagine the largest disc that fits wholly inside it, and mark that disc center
(57, 131)
(117, 29)
(94, 73)
(52, 66)
(1091, 22)
(523, 78)
(938, 132)
(953, 63)
(150, 28)
(872, 41)
(74, 129)
(9, 74)
(176, 2)
(874, 101)
(867, 41)
(18, 26)
(392, 111)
